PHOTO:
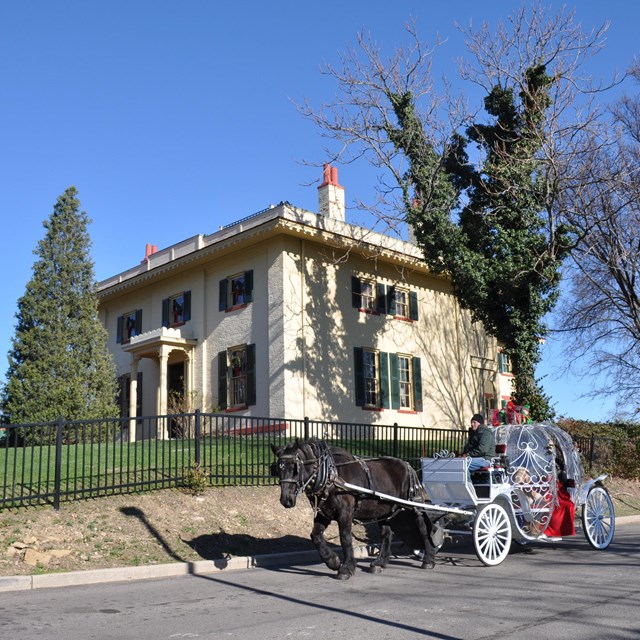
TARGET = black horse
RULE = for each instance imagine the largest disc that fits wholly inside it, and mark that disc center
(320, 471)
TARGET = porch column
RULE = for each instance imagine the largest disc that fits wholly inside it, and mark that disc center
(163, 357)
(188, 360)
(133, 398)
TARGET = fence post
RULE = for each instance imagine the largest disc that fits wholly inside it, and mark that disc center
(395, 439)
(58, 466)
(306, 427)
(197, 435)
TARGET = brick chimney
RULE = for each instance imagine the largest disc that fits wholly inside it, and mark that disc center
(150, 249)
(331, 195)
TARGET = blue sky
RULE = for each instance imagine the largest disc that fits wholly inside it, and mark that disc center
(173, 118)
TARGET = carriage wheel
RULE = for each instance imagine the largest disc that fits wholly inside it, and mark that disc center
(598, 518)
(492, 534)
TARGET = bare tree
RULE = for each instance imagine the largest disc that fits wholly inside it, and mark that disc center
(602, 314)
(494, 219)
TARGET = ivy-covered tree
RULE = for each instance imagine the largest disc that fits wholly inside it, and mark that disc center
(483, 196)
(503, 262)
(59, 365)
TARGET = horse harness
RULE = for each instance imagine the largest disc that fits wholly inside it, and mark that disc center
(325, 475)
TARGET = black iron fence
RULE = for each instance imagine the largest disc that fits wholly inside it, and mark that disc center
(46, 463)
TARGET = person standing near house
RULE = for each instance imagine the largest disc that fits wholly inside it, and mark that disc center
(481, 444)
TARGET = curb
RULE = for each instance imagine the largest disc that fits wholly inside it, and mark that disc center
(174, 569)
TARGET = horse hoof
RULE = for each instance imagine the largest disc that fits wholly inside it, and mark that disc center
(375, 569)
(343, 576)
(428, 565)
(333, 563)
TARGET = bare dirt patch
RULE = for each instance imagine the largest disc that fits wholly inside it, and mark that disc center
(172, 526)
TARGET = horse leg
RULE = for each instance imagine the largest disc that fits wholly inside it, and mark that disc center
(348, 566)
(429, 559)
(382, 559)
(329, 557)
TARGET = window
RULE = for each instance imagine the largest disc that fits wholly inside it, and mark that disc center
(129, 325)
(367, 295)
(236, 291)
(176, 310)
(387, 380)
(371, 381)
(404, 382)
(402, 303)
(236, 377)
(504, 363)
(371, 378)
(401, 298)
(375, 297)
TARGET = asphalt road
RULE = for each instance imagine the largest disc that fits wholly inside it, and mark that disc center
(566, 590)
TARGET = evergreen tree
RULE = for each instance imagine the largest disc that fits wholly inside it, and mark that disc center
(59, 364)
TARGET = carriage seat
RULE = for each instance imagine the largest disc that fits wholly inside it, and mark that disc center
(495, 472)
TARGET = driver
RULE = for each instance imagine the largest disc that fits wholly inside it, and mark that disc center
(481, 444)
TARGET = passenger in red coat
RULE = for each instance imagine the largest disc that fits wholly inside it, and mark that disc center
(562, 519)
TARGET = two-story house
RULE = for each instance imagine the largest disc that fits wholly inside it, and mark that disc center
(290, 313)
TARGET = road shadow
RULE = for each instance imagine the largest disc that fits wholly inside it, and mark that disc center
(215, 546)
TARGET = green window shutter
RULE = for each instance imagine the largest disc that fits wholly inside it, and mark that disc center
(356, 293)
(138, 322)
(248, 286)
(251, 374)
(222, 380)
(381, 297)
(413, 305)
(391, 301)
(186, 314)
(222, 304)
(395, 381)
(139, 394)
(165, 312)
(417, 384)
(359, 375)
(119, 326)
(384, 380)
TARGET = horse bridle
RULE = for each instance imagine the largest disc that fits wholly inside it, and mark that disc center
(324, 472)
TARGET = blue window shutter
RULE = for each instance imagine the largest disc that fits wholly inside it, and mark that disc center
(222, 380)
(381, 297)
(223, 295)
(356, 293)
(119, 329)
(395, 381)
(186, 314)
(359, 376)
(165, 312)
(384, 380)
(248, 286)
(251, 374)
(417, 384)
(391, 301)
(413, 305)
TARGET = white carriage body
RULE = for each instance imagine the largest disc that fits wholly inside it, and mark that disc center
(537, 468)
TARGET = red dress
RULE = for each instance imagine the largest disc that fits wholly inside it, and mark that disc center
(562, 519)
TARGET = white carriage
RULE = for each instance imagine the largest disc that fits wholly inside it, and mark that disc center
(530, 491)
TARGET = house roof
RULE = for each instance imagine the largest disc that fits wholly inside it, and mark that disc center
(283, 218)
